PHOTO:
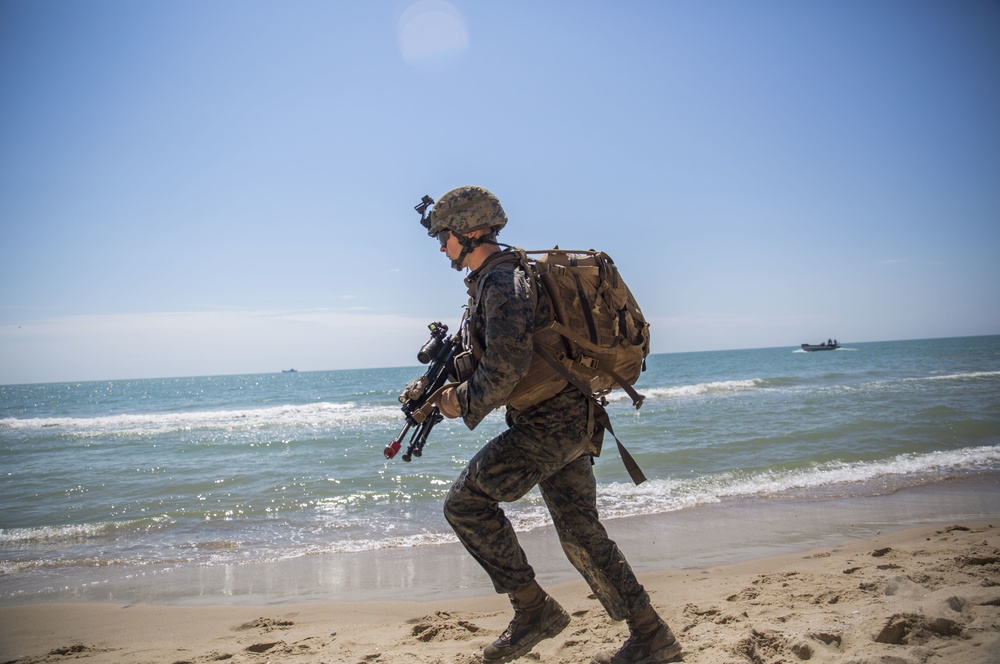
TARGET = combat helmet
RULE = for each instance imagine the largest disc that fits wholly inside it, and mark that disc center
(464, 210)
(467, 209)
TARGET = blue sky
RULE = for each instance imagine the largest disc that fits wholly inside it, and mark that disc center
(199, 188)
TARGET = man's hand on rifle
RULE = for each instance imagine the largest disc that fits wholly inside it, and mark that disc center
(447, 403)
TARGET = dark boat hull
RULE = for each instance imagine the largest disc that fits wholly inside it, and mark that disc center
(811, 347)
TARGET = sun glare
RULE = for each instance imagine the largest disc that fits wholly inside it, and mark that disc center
(431, 32)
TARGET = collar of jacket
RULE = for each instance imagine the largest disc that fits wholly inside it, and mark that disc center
(472, 280)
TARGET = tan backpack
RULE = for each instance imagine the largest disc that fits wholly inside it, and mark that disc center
(598, 341)
(605, 335)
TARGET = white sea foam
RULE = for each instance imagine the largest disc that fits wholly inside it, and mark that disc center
(959, 376)
(319, 414)
(659, 496)
(620, 500)
(77, 532)
(698, 389)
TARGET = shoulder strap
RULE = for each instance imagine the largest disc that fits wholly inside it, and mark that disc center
(601, 417)
(474, 279)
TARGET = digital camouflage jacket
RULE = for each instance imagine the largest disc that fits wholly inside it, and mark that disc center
(508, 308)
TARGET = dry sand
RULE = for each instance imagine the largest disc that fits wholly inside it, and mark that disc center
(929, 594)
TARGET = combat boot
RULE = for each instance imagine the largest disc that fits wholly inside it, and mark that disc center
(536, 617)
(650, 641)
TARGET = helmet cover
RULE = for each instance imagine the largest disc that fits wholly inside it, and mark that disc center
(466, 209)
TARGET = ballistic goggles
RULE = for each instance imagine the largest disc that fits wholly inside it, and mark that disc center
(443, 236)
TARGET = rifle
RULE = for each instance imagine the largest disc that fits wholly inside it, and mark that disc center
(420, 394)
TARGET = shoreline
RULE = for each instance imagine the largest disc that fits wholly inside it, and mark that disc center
(725, 533)
(920, 594)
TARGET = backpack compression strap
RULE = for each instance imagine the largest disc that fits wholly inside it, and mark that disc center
(637, 398)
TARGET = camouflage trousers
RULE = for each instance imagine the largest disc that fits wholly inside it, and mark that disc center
(545, 446)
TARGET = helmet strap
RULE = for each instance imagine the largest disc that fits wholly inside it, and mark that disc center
(491, 239)
(469, 245)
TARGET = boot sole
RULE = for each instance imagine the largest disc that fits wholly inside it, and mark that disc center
(667, 654)
(555, 627)
(663, 654)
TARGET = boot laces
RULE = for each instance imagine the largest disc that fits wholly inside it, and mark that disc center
(520, 617)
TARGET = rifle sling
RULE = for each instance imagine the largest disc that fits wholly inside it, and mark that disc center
(421, 414)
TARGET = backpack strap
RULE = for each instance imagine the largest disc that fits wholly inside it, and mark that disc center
(601, 416)
(637, 398)
(630, 465)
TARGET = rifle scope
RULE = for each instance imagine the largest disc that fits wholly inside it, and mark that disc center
(433, 345)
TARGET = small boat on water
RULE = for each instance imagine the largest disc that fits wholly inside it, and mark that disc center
(826, 345)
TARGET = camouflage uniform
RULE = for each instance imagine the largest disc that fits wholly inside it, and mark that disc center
(548, 445)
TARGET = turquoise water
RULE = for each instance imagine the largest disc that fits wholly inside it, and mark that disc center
(182, 472)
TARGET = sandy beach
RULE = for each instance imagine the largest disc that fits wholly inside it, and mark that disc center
(925, 594)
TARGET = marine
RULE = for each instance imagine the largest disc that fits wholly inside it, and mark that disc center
(550, 444)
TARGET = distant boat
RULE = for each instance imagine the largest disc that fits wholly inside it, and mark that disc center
(289, 371)
(833, 345)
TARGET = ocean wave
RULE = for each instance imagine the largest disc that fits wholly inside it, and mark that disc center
(332, 414)
(68, 533)
(618, 500)
(322, 414)
(377, 544)
(668, 495)
(915, 382)
(732, 387)
(721, 387)
(344, 525)
(971, 375)
(74, 564)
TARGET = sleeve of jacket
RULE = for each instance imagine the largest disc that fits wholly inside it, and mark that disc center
(508, 312)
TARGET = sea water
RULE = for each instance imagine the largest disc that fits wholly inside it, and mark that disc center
(152, 475)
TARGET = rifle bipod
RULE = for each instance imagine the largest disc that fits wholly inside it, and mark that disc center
(417, 439)
(419, 394)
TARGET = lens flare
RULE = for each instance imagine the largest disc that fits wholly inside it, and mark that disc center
(431, 33)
